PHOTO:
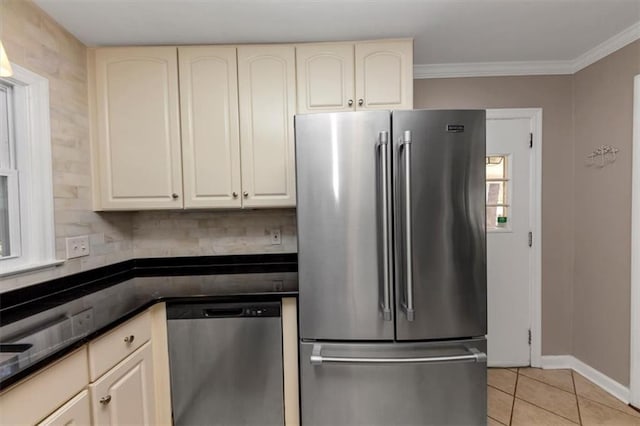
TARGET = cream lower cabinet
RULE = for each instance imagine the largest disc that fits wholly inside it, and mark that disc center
(136, 128)
(358, 76)
(125, 394)
(75, 412)
(42, 394)
(267, 87)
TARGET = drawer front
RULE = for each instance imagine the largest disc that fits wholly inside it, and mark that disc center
(75, 412)
(38, 396)
(116, 345)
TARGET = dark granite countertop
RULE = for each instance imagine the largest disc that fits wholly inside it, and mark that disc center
(46, 315)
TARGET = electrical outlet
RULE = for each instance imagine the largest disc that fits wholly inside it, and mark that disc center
(275, 236)
(82, 323)
(77, 246)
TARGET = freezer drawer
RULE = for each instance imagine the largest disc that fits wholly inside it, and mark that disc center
(440, 383)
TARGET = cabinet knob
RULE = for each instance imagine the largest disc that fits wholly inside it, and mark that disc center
(360, 102)
(246, 194)
(129, 339)
(174, 196)
(105, 400)
(235, 194)
(350, 102)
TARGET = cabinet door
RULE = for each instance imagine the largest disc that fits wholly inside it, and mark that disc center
(384, 75)
(138, 136)
(125, 394)
(75, 412)
(325, 77)
(266, 80)
(210, 128)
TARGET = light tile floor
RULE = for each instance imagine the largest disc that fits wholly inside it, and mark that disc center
(531, 396)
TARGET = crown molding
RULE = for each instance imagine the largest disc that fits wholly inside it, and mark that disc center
(606, 48)
(520, 68)
(492, 69)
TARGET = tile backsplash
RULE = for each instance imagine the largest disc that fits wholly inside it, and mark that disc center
(157, 234)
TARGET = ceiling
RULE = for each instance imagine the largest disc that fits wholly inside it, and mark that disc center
(445, 31)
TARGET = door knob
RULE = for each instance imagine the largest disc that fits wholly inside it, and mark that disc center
(350, 102)
(129, 339)
(246, 194)
(174, 196)
(235, 194)
(360, 102)
(105, 400)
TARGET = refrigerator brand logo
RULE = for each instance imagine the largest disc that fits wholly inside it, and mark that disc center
(455, 128)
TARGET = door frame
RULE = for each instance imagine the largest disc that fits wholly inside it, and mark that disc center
(534, 115)
(634, 358)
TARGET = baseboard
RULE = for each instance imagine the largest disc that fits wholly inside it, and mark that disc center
(619, 391)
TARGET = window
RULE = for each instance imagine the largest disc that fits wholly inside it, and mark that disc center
(497, 192)
(26, 196)
(9, 217)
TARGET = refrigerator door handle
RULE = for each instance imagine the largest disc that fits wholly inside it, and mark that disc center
(407, 305)
(383, 138)
(472, 355)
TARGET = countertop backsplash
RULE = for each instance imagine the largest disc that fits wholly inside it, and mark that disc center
(206, 233)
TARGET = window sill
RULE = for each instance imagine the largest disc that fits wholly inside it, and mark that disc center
(31, 268)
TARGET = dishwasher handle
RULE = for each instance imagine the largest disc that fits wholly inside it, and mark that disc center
(222, 312)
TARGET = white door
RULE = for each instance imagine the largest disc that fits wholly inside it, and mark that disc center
(508, 192)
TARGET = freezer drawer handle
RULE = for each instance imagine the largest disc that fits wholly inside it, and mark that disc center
(407, 305)
(383, 138)
(473, 355)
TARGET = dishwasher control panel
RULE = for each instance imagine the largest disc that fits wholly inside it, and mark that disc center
(223, 310)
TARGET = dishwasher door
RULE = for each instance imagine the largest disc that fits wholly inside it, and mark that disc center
(226, 363)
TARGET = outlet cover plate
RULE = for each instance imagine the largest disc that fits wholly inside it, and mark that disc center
(275, 236)
(77, 246)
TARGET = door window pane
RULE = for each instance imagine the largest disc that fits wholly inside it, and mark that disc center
(497, 192)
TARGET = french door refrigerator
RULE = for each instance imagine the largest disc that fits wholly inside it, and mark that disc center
(392, 267)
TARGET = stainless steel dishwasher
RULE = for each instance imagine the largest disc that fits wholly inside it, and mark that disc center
(226, 363)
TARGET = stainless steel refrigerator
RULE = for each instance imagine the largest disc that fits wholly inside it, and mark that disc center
(392, 267)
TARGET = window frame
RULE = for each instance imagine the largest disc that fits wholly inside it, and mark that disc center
(32, 145)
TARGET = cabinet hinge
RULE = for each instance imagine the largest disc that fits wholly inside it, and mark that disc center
(529, 339)
(530, 140)
(530, 239)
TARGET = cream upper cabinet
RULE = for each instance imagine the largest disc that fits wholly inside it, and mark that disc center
(210, 127)
(325, 77)
(125, 394)
(137, 127)
(267, 86)
(355, 76)
(384, 75)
